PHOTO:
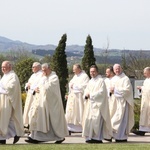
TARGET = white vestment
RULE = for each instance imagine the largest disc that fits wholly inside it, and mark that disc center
(111, 100)
(47, 119)
(75, 104)
(122, 113)
(11, 122)
(96, 120)
(145, 107)
(33, 82)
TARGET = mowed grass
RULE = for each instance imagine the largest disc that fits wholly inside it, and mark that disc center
(113, 146)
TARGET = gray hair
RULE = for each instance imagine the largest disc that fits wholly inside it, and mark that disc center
(8, 64)
(37, 64)
(147, 69)
(45, 65)
(117, 65)
(77, 65)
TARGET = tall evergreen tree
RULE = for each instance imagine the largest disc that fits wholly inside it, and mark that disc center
(59, 65)
(88, 58)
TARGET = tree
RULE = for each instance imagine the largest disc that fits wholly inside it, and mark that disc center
(134, 63)
(124, 62)
(88, 58)
(59, 65)
(23, 69)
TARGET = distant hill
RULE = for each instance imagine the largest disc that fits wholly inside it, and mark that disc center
(112, 55)
(8, 44)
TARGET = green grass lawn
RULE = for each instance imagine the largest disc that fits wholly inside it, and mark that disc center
(113, 146)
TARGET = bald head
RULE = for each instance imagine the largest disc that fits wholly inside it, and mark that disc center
(76, 69)
(147, 72)
(6, 67)
(36, 67)
(46, 69)
(117, 69)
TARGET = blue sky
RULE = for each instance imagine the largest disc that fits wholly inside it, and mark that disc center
(123, 24)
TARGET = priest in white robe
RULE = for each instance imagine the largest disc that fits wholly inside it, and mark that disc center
(11, 122)
(47, 118)
(123, 115)
(144, 122)
(96, 120)
(75, 102)
(30, 87)
(108, 81)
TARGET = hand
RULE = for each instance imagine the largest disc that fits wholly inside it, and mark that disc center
(28, 86)
(66, 97)
(112, 89)
(139, 87)
(44, 74)
(71, 86)
(87, 96)
(37, 90)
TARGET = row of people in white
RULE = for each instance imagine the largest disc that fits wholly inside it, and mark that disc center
(44, 111)
(91, 115)
(101, 120)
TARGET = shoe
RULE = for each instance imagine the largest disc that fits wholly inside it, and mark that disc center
(69, 132)
(121, 141)
(141, 133)
(27, 127)
(109, 140)
(93, 141)
(16, 139)
(2, 141)
(60, 141)
(30, 140)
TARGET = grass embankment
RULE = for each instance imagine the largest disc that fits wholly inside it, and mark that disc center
(113, 146)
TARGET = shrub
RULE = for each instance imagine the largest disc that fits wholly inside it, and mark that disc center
(137, 107)
(23, 97)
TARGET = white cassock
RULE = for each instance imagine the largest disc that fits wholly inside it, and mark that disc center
(145, 107)
(122, 113)
(47, 121)
(111, 99)
(96, 120)
(33, 81)
(75, 102)
(11, 122)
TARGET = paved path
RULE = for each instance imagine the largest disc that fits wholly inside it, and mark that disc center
(76, 138)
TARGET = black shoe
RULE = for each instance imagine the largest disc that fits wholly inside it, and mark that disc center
(109, 140)
(2, 141)
(93, 141)
(60, 141)
(27, 127)
(69, 132)
(30, 140)
(16, 139)
(121, 141)
(141, 133)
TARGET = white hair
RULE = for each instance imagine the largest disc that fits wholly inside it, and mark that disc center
(116, 65)
(45, 65)
(147, 69)
(36, 64)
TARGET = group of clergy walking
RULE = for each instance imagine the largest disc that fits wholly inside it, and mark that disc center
(101, 109)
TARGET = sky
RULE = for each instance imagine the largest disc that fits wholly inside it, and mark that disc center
(116, 24)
